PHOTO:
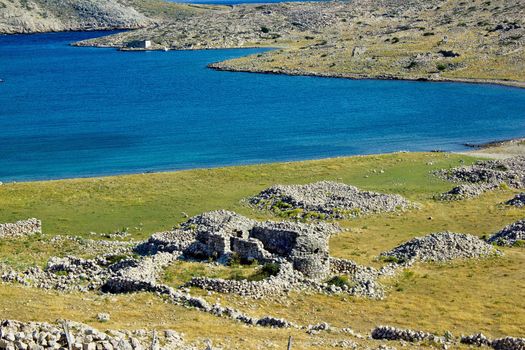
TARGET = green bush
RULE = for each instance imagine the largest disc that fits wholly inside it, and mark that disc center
(339, 281)
(392, 259)
(441, 67)
(271, 269)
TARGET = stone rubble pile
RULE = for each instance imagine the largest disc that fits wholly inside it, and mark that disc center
(518, 201)
(465, 191)
(392, 333)
(510, 235)
(440, 247)
(21, 228)
(484, 176)
(77, 336)
(327, 199)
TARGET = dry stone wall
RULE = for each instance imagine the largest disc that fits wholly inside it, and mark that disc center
(73, 335)
(21, 228)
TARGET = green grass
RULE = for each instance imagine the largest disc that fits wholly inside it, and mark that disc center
(463, 296)
(152, 202)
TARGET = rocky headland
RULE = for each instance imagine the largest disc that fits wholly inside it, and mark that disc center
(437, 40)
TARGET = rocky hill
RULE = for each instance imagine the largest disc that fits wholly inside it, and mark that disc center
(31, 16)
(420, 40)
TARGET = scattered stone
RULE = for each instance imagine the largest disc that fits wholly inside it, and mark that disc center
(326, 199)
(440, 247)
(103, 317)
(511, 235)
(316, 328)
(518, 201)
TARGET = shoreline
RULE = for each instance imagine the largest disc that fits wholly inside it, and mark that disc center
(242, 165)
(497, 143)
(352, 76)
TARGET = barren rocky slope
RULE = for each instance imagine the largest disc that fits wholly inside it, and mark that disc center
(23, 16)
(433, 40)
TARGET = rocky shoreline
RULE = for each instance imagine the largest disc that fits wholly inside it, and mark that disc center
(220, 66)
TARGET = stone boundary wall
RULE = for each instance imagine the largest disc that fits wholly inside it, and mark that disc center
(21, 228)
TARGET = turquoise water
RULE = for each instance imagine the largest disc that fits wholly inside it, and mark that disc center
(72, 112)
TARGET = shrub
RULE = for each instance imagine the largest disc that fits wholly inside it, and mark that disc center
(265, 30)
(116, 258)
(234, 260)
(441, 67)
(339, 281)
(392, 259)
(268, 270)
(272, 269)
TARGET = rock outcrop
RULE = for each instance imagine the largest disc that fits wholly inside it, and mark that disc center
(65, 15)
(326, 199)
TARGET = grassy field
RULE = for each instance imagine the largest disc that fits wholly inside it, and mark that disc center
(463, 297)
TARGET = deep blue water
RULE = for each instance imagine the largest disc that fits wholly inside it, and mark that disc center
(71, 112)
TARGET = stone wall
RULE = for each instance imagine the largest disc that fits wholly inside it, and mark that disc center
(21, 228)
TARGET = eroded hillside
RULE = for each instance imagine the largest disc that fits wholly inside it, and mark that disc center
(24, 16)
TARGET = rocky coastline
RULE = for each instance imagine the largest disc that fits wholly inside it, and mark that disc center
(222, 66)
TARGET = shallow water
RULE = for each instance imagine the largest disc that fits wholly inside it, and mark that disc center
(71, 112)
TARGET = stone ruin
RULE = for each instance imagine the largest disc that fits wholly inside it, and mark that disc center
(484, 176)
(325, 200)
(300, 250)
(511, 235)
(223, 235)
(440, 247)
(21, 228)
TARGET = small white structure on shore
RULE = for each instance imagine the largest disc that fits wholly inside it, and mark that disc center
(139, 44)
